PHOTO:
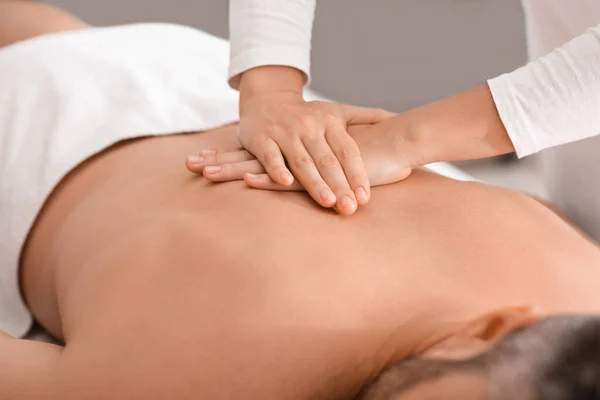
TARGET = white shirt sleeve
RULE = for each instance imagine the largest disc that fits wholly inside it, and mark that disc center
(269, 32)
(554, 99)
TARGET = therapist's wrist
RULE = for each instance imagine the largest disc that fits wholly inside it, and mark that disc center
(270, 79)
(465, 126)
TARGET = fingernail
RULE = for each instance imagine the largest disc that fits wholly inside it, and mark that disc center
(347, 203)
(361, 194)
(212, 169)
(195, 159)
(286, 177)
(327, 196)
(251, 176)
(208, 152)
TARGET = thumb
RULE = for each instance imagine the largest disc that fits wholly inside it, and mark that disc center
(362, 115)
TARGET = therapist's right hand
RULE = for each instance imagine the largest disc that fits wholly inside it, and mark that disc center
(277, 125)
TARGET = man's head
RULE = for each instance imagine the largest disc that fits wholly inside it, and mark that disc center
(502, 357)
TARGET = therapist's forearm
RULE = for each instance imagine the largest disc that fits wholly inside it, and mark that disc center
(269, 79)
(461, 127)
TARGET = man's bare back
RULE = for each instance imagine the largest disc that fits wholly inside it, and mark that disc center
(166, 286)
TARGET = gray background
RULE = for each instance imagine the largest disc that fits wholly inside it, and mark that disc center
(395, 54)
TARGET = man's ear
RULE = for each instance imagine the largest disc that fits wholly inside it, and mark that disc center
(480, 334)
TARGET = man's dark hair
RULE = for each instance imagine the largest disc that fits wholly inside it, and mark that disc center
(557, 358)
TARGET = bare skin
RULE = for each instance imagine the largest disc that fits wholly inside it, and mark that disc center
(163, 285)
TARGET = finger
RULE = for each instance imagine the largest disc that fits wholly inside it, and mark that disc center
(264, 182)
(305, 171)
(269, 155)
(232, 172)
(332, 173)
(220, 150)
(228, 157)
(363, 115)
(347, 153)
(196, 164)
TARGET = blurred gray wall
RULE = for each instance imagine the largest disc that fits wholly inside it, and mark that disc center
(395, 54)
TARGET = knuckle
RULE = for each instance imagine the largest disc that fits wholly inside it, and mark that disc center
(307, 122)
(302, 160)
(276, 132)
(265, 135)
(331, 120)
(226, 171)
(306, 119)
(348, 153)
(318, 185)
(271, 158)
(328, 161)
(290, 134)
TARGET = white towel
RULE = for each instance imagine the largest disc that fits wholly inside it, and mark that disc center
(67, 96)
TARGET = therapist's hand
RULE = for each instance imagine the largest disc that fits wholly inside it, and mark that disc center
(384, 149)
(277, 125)
(461, 127)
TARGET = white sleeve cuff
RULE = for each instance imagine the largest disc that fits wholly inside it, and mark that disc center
(509, 108)
(287, 56)
(553, 100)
(269, 32)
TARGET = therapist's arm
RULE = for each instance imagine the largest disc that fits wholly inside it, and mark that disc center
(550, 101)
(465, 126)
(270, 64)
(274, 33)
